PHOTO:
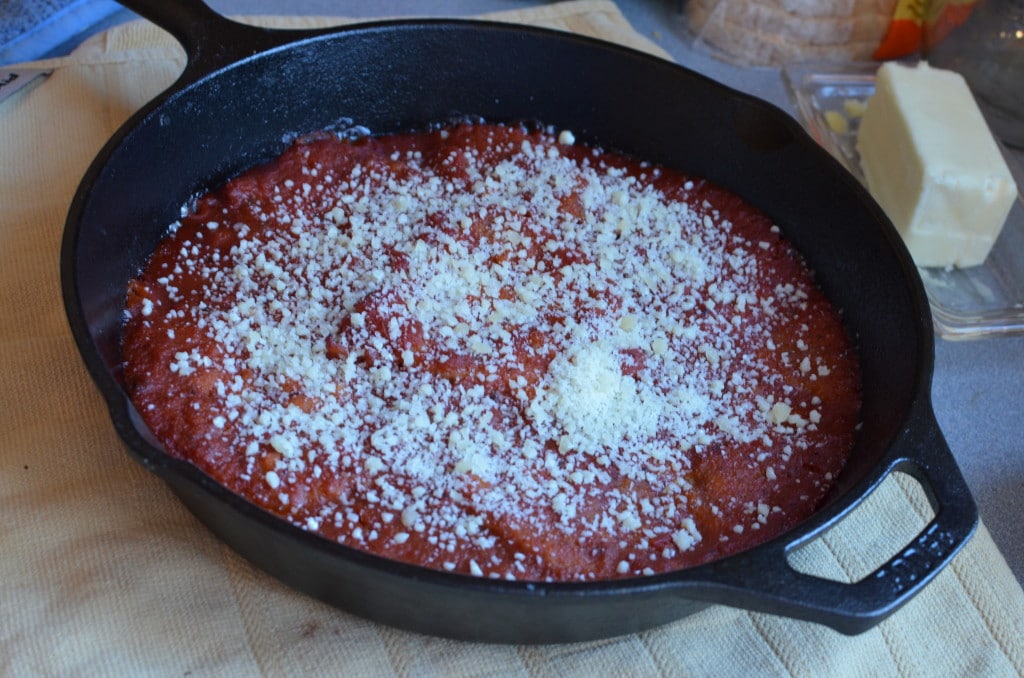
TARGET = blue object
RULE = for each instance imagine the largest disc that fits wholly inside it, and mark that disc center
(34, 29)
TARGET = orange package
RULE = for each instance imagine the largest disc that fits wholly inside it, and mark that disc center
(917, 24)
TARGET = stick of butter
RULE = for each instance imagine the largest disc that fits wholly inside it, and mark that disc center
(933, 166)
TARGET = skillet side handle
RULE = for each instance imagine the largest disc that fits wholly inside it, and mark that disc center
(210, 40)
(767, 583)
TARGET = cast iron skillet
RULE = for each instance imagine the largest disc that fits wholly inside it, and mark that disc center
(247, 91)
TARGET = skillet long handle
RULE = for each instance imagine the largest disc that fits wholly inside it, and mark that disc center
(210, 40)
(764, 580)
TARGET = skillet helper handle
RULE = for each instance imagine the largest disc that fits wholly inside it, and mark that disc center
(767, 582)
(210, 40)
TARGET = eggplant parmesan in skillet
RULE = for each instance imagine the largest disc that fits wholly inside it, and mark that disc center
(492, 350)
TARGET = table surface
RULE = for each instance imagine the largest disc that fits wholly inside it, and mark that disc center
(977, 384)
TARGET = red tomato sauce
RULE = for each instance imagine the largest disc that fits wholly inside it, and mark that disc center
(490, 350)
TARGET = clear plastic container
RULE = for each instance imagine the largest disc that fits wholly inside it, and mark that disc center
(967, 303)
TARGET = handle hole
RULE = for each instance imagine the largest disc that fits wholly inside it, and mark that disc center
(880, 527)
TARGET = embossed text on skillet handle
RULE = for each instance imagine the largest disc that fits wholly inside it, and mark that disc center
(763, 580)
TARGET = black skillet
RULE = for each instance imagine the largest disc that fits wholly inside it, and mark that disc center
(246, 92)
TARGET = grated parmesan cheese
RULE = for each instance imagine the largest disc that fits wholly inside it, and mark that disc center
(591, 338)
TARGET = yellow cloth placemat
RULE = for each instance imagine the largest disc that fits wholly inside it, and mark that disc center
(103, 572)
